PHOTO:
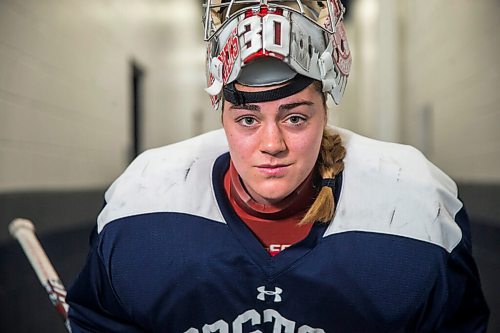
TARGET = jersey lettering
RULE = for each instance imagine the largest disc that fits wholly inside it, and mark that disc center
(250, 315)
(280, 324)
(219, 326)
(273, 248)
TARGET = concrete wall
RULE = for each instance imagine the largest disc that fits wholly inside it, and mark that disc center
(423, 73)
(453, 65)
(427, 73)
(65, 86)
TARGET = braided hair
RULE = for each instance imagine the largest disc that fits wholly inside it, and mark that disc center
(329, 164)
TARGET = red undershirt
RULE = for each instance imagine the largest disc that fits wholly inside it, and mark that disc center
(276, 226)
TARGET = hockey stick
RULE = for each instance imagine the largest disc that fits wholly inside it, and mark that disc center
(24, 231)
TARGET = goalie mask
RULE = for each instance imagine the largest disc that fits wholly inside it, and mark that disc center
(266, 42)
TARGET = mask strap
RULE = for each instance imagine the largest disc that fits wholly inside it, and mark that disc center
(236, 97)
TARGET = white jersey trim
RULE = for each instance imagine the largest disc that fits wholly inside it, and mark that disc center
(168, 179)
(393, 189)
(387, 188)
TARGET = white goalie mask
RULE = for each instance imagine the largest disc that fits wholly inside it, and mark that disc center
(266, 42)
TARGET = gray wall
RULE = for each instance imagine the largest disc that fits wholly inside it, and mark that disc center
(65, 87)
(453, 66)
(427, 73)
(423, 73)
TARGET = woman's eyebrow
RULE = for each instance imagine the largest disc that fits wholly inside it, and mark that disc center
(286, 107)
(250, 107)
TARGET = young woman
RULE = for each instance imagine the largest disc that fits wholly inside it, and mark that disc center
(278, 222)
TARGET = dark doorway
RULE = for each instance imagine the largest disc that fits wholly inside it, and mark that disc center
(137, 79)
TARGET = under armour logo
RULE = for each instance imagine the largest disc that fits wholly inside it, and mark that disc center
(263, 292)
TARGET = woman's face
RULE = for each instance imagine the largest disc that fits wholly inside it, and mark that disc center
(274, 145)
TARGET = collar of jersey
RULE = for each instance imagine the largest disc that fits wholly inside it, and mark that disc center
(296, 203)
(270, 266)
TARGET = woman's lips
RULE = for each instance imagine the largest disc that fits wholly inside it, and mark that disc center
(273, 170)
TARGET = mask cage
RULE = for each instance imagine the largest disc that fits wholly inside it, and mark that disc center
(218, 13)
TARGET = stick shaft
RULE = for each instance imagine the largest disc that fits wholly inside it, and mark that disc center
(24, 231)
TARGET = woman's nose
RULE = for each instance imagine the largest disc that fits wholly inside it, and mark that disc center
(272, 141)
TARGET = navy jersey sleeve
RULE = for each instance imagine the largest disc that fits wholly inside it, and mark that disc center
(466, 309)
(94, 307)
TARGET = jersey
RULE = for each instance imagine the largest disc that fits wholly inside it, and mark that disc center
(170, 254)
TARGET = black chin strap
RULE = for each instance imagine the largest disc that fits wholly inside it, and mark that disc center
(329, 182)
(236, 97)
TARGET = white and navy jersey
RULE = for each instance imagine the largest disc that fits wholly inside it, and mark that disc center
(170, 254)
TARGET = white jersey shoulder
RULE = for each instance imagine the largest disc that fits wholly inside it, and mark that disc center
(393, 189)
(174, 178)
